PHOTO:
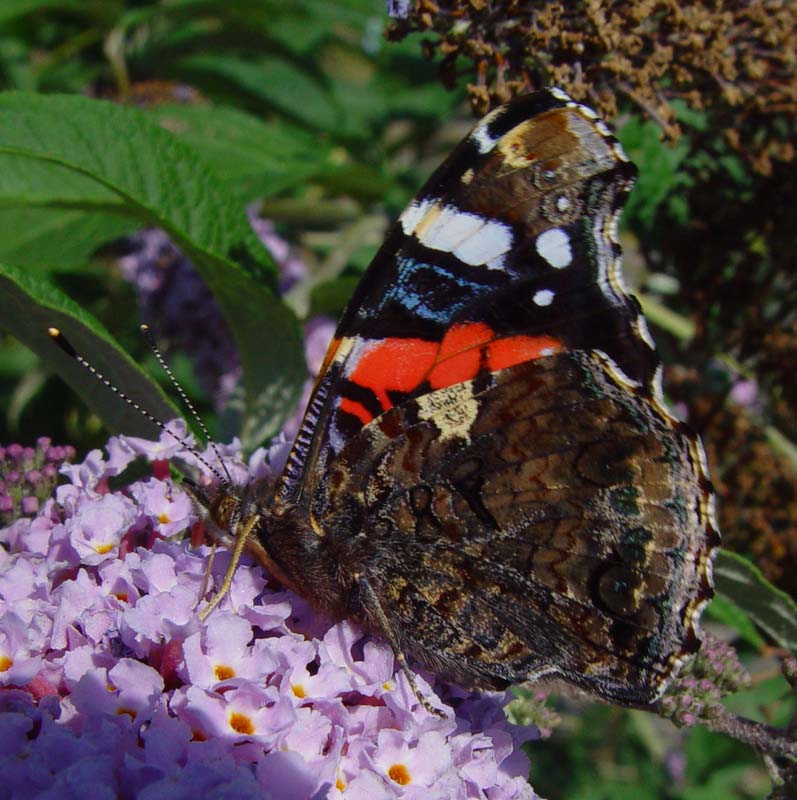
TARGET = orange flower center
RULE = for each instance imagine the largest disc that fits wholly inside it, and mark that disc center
(223, 672)
(240, 723)
(399, 774)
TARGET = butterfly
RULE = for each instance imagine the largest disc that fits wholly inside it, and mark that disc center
(487, 474)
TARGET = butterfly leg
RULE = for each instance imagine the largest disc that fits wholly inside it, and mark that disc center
(242, 536)
(206, 577)
(373, 606)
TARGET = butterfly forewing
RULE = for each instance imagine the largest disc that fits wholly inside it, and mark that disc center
(508, 252)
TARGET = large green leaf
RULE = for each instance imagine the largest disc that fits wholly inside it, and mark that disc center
(151, 176)
(45, 182)
(56, 238)
(29, 305)
(724, 611)
(771, 609)
(122, 154)
(660, 173)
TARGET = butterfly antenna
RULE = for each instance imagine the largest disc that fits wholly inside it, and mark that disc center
(150, 340)
(66, 346)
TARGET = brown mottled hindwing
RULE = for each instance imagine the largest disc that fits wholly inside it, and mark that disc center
(548, 522)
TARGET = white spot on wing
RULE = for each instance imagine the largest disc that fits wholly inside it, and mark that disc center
(486, 246)
(451, 228)
(587, 112)
(544, 297)
(471, 238)
(481, 136)
(483, 140)
(413, 214)
(554, 247)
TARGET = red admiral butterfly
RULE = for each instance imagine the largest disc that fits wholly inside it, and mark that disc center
(486, 473)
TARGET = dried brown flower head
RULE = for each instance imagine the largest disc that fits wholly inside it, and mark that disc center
(738, 60)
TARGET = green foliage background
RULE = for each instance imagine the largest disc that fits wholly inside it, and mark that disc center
(304, 109)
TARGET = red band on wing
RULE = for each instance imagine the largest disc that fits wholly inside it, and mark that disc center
(402, 365)
(505, 353)
(459, 356)
(394, 364)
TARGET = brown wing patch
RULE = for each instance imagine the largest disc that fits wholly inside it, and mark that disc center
(564, 529)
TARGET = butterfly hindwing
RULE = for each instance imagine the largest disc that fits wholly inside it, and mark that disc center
(545, 522)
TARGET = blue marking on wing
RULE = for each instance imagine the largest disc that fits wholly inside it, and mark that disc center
(430, 291)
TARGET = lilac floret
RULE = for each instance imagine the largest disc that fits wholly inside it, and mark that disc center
(19, 662)
(97, 527)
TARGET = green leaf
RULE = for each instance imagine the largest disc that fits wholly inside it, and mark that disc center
(281, 84)
(331, 297)
(126, 163)
(769, 700)
(273, 361)
(124, 158)
(45, 182)
(659, 174)
(56, 238)
(771, 609)
(9, 9)
(729, 781)
(29, 305)
(257, 159)
(723, 610)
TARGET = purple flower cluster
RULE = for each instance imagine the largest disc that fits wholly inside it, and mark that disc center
(715, 671)
(28, 476)
(175, 300)
(113, 687)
